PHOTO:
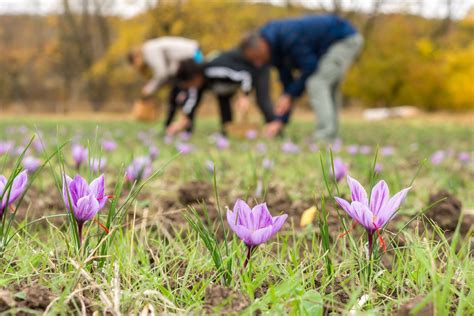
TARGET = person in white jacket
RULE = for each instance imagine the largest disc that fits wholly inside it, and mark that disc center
(159, 59)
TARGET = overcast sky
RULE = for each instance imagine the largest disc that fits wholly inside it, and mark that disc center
(128, 8)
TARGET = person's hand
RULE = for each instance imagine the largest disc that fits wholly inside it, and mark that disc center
(272, 129)
(145, 93)
(243, 104)
(178, 126)
(181, 97)
(283, 105)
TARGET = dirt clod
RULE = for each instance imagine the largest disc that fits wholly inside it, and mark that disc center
(411, 308)
(194, 192)
(35, 297)
(445, 213)
(224, 300)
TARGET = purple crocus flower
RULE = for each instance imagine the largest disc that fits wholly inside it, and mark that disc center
(185, 136)
(267, 164)
(209, 166)
(5, 147)
(352, 149)
(98, 164)
(184, 148)
(83, 199)
(340, 169)
(11, 193)
(365, 149)
(251, 134)
(290, 147)
(154, 152)
(464, 157)
(336, 146)
(79, 155)
(109, 145)
(387, 151)
(438, 157)
(378, 168)
(222, 143)
(373, 214)
(254, 226)
(140, 168)
(31, 164)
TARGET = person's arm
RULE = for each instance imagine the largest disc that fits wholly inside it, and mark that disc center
(189, 108)
(307, 62)
(262, 91)
(157, 63)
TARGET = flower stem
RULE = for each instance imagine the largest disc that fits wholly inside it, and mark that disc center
(79, 231)
(249, 254)
(370, 238)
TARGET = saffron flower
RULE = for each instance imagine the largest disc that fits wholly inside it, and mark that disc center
(387, 151)
(84, 200)
(109, 145)
(267, 164)
(336, 146)
(290, 147)
(153, 152)
(210, 166)
(222, 143)
(251, 134)
(438, 157)
(97, 164)
(5, 147)
(140, 168)
(378, 168)
(365, 149)
(184, 148)
(31, 164)
(11, 193)
(261, 148)
(253, 226)
(340, 169)
(372, 214)
(79, 155)
(464, 157)
(352, 149)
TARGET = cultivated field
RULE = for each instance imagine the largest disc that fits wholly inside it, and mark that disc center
(162, 242)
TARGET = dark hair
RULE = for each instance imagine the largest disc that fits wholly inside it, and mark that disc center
(188, 69)
(249, 40)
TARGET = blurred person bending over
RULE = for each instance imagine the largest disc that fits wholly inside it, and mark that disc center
(159, 59)
(320, 48)
(225, 75)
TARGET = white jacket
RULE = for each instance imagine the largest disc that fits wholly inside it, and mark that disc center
(163, 56)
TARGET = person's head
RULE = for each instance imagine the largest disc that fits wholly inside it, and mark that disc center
(255, 49)
(190, 74)
(135, 58)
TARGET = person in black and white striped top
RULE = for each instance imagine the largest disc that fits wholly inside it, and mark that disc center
(224, 75)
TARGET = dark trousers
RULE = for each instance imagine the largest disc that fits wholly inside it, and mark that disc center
(173, 106)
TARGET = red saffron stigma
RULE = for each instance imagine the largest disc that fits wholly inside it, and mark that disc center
(354, 224)
(102, 225)
(382, 243)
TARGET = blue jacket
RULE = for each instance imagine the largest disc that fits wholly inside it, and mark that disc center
(299, 44)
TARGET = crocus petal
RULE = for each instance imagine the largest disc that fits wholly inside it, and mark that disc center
(231, 219)
(243, 213)
(358, 192)
(345, 206)
(379, 197)
(18, 186)
(78, 188)
(86, 208)
(97, 187)
(261, 235)
(66, 182)
(262, 217)
(278, 222)
(244, 233)
(363, 215)
(392, 206)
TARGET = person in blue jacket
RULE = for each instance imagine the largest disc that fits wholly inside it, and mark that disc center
(313, 53)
